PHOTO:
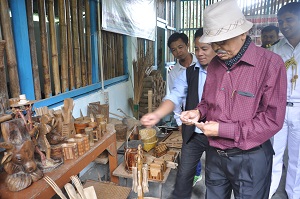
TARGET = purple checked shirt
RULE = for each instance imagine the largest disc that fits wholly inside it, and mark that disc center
(248, 101)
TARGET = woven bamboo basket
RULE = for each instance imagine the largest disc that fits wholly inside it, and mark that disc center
(148, 135)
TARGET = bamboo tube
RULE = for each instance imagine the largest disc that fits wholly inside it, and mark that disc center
(70, 47)
(76, 47)
(63, 45)
(9, 49)
(88, 41)
(44, 48)
(81, 42)
(35, 67)
(54, 57)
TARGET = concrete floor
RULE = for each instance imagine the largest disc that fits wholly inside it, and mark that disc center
(101, 171)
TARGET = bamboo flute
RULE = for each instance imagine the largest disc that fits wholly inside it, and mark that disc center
(9, 49)
(32, 41)
(44, 48)
(63, 45)
(88, 41)
(82, 43)
(70, 47)
(53, 44)
(76, 46)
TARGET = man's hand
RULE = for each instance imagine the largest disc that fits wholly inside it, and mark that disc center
(190, 117)
(209, 129)
(150, 119)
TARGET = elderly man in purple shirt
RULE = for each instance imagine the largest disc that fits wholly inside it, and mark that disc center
(243, 101)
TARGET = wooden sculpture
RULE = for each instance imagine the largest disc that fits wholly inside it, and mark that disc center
(68, 129)
(19, 160)
(48, 135)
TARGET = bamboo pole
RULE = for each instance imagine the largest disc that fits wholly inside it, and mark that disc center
(76, 46)
(3, 85)
(70, 46)
(81, 42)
(44, 48)
(53, 44)
(32, 41)
(63, 45)
(88, 41)
(9, 49)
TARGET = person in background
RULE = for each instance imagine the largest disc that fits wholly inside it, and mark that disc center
(289, 136)
(269, 36)
(189, 86)
(178, 44)
(243, 102)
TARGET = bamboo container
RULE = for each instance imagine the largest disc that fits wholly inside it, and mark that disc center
(70, 151)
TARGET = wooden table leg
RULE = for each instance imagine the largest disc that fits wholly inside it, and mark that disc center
(113, 160)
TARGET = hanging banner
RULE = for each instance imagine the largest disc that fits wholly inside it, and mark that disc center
(136, 18)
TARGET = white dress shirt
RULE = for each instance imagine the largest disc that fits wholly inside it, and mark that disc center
(286, 51)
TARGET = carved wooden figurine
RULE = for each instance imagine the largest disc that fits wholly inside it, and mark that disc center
(19, 160)
(47, 136)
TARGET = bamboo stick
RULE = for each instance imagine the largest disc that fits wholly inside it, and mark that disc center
(44, 48)
(32, 41)
(76, 46)
(53, 43)
(63, 45)
(82, 43)
(88, 41)
(70, 46)
(9, 49)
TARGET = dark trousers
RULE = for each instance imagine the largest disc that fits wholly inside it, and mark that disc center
(247, 174)
(191, 153)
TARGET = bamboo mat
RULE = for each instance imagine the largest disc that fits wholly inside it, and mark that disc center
(105, 190)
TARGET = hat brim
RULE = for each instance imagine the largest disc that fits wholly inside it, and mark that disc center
(228, 35)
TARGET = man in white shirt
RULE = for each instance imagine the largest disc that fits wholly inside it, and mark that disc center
(289, 49)
(178, 44)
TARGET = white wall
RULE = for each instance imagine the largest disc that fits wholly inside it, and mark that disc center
(118, 96)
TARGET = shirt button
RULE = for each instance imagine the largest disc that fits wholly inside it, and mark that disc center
(228, 71)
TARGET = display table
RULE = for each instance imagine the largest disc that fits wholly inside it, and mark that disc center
(61, 175)
(122, 173)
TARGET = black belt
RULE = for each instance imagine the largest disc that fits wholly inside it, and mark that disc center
(291, 104)
(235, 151)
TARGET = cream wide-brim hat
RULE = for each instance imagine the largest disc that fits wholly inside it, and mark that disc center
(223, 20)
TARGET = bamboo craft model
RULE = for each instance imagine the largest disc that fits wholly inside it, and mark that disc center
(68, 129)
(140, 175)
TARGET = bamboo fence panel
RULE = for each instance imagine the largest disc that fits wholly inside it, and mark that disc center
(70, 46)
(63, 45)
(9, 49)
(44, 48)
(76, 45)
(32, 41)
(53, 44)
(88, 41)
(82, 43)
